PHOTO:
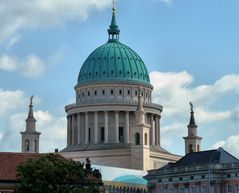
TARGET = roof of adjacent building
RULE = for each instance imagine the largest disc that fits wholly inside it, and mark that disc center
(114, 61)
(216, 156)
(10, 161)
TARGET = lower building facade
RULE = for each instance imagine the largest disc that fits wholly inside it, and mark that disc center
(214, 171)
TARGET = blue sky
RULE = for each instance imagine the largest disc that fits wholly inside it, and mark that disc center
(190, 48)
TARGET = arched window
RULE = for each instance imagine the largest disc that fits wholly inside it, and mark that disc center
(137, 139)
(27, 145)
(190, 148)
(145, 139)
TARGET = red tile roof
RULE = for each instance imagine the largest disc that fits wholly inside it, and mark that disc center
(10, 161)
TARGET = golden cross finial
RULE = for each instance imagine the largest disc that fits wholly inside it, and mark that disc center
(113, 7)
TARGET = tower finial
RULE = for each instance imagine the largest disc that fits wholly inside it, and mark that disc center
(113, 7)
(191, 105)
(113, 31)
(192, 120)
(31, 100)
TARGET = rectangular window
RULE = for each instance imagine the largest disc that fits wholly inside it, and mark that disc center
(228, 188)
(120, 92)
(112, 91)
(181, 190)
(192, 189)
(103, 92)
(121, 134)
(204, 189)
(88, 93)
(89, 134)
(128, 92)
(102, 134)
(95, 92)
(237, 188)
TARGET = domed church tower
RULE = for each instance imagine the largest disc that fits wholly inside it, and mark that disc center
(100, 123)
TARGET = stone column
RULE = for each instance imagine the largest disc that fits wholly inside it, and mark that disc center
(156, 130)
(127, 127)
(68, 130)
(78, 128)
(86, 128)
(117, 126)
(96, 127)
(73, 129)
(106, 127)
(152, 130)
(159, 129)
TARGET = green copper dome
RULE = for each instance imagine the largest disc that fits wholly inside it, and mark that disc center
(114, 61)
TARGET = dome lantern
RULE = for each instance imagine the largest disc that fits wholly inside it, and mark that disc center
(113, 30)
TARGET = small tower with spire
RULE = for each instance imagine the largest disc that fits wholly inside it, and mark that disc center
(30, 137)
(192, 141)
(113, 30)
(140, 154)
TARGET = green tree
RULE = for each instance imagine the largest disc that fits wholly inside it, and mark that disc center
(51, 173)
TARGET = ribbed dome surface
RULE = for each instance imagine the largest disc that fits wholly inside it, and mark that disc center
(113, 61)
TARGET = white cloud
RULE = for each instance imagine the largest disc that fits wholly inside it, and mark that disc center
(230, 144)
(174, 91)
(10, 100)
(210, 116)
(43, 13)
(1, 136)
(33, 66)
(171, 132)
(8, 63)
(53, 131)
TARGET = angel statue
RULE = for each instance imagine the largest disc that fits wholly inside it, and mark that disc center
(191, 105)
(31, 100)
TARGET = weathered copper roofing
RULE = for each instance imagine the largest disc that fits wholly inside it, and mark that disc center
(114, 61)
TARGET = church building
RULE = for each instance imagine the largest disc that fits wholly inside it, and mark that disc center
(114, 121)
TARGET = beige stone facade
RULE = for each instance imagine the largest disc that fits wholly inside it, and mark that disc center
(104, 128)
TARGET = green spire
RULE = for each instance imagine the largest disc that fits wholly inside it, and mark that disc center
(113, 30)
